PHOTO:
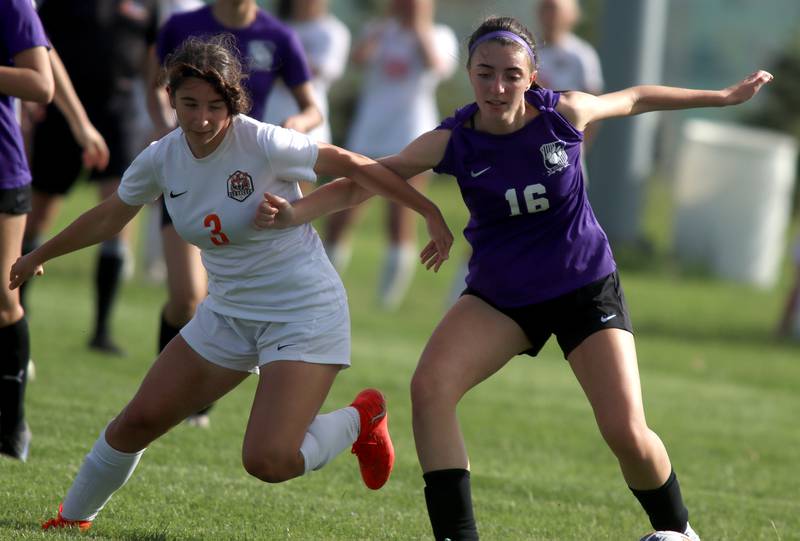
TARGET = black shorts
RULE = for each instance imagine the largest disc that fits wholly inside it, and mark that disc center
(572, 317)
(15, 200)
(56, 160)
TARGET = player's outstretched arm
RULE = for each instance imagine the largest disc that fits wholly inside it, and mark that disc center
(275, 212)
(581, 108)
(377, 178)
(93, 226)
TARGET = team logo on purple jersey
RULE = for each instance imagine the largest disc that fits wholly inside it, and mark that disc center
(554, 156)
(240, 186)
(260, 54)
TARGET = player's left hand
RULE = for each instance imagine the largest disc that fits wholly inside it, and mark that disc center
(95, 149)
(437, 251)
(747, 88)
(22, 270)
(274, 212)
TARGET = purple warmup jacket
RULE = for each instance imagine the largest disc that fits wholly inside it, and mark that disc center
(268, 48)
(20, 29)
(533, 233)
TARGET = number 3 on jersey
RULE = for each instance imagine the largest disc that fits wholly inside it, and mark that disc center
(217, 236)
(532, 203)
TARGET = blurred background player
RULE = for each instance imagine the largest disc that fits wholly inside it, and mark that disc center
(326, 42)
(270, 51)
(25, 73)
(406, 55)
(103, 45)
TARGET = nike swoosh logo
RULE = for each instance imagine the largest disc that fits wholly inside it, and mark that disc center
(475, 174)
(604, 319)
(283, 346)
(381, 415)
(173, 195)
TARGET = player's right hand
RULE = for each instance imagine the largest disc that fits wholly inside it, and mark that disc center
(437, 250)
(274, 212)
(22, 270)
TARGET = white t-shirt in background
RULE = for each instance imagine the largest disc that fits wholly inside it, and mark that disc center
(326, 42)
(398, 98)
(572, 64)
(263, 275)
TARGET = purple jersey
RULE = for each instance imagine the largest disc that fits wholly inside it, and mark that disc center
(533, 234)
(269, 49)
(20, 29)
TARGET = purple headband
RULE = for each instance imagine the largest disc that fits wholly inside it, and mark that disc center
(508, 35)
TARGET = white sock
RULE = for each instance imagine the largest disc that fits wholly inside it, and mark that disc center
(103, 472)
(339, 253)
(399, 267)
(329, 435)
(459, 284)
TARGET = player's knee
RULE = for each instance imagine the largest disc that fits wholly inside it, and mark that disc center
(10, 312)
(181, 308)
(271, 466)
(629, 441)
(431, 391)
(139, 423)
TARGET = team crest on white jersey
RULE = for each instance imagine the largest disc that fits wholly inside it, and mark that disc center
(240, 186)
(555, 156)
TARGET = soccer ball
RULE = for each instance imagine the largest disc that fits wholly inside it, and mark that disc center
(665, 536)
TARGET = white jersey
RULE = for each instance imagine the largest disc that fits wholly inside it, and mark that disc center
(262, 275)
(326, 42)
(398, 98)
(572, 64)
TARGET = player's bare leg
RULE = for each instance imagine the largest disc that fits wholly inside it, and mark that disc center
(179, 382)
(15, 343)
(455, 359)
(606, 367)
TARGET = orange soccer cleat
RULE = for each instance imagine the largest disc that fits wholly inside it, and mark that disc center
(373, 447)
(61, 522)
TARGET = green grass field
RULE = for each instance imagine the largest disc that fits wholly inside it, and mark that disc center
(721, 392)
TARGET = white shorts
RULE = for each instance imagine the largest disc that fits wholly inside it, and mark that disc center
(245, 344)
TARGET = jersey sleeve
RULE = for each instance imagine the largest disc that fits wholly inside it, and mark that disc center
(291, 154)
(166, 38)
(21, 29)
(294, 66)
(139, 183)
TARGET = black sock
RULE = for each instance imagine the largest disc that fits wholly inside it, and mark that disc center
(664, 505)
(449, 500)
(27, 247)
(166, 332)
(14, 355)
(107, 280)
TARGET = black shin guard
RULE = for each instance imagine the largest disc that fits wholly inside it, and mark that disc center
(449, 500)
(107, 280)
(166, 332)
(14, 356)
(664, 505)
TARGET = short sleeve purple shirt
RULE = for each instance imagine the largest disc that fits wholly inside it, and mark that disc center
(269, 50)
(533, 233)
(20, 29)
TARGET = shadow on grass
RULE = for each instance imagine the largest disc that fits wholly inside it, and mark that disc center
(31, 529)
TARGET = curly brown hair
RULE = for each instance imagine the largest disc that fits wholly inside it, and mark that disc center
(213, 59)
